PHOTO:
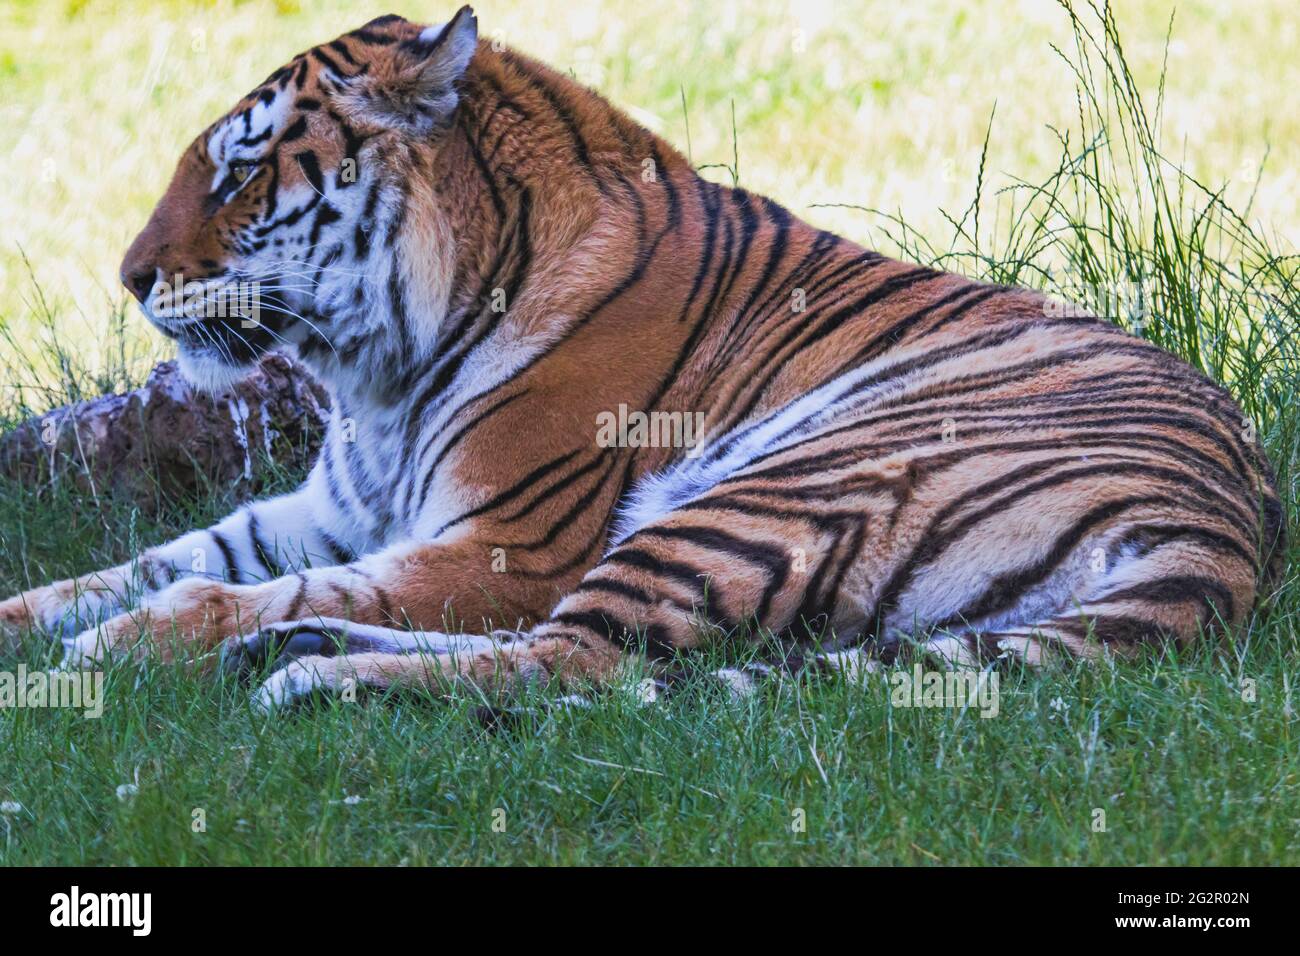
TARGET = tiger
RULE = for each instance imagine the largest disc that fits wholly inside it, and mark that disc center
(482, 261)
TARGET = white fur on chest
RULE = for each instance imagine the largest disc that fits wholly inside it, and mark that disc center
(425, 505)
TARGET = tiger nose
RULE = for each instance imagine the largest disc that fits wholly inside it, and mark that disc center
(140, 282)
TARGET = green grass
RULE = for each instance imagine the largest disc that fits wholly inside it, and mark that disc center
(1192, 758)
(1184, 769)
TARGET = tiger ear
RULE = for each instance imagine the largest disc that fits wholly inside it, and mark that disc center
(415, 90)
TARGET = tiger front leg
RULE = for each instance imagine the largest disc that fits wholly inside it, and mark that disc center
(65, 606)
(257, 543)
(406, 586)
(181, 621)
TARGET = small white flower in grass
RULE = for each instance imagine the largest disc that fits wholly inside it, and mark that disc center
(351, 799)
(646, 692)
(11, 808)
(126, 791)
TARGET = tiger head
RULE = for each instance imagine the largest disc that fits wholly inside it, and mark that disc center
(286, 223)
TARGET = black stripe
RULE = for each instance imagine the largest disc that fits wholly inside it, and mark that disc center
(802, 336)
(341, 48)
(563, 114)
(686, 575)
(299, 596)
(772, 559)
(511, 493)
(259, 551)
(338, 554)
(710, 206)
(1178, 589)
(227, 555)
(612, 586)
(653, 641)
(327, 61)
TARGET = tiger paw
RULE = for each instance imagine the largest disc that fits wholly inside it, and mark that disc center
(278, 645)
(86, 651)
(15, 617)
(300, 681)
(50, 611)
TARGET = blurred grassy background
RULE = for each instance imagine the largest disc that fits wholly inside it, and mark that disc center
(836, 101)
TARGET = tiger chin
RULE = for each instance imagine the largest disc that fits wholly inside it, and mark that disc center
(482, 261)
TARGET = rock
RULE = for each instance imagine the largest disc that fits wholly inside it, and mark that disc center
(167, 441)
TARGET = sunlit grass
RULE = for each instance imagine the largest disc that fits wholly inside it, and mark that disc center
(864, 102)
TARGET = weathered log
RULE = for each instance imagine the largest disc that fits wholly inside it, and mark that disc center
(166, 441)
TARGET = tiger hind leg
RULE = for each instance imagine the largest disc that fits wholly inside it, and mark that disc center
(1175, 595)
(666, 590)
(278, 645)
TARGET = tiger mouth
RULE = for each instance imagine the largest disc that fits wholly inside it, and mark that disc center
(232, 339)
(222, 340)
